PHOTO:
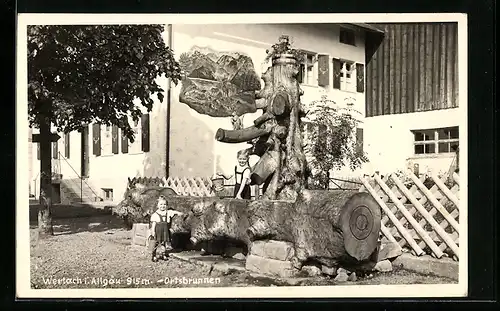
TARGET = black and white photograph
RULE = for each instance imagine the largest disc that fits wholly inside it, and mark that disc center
(235, 155)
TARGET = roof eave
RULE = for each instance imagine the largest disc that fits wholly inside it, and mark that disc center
(374, 37)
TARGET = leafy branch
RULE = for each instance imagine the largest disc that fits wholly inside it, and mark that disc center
(283, 46)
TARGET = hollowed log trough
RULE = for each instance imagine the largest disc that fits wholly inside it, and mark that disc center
(329, 227)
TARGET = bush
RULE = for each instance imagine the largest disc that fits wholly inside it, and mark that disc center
(331, 144)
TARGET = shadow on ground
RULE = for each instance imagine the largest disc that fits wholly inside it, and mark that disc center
(70, 219)
(60, 211)
(63, 226)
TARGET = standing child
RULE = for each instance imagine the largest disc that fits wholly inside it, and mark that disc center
(160, 226)
(241, 176)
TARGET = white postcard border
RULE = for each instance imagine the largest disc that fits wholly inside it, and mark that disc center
(23, 288)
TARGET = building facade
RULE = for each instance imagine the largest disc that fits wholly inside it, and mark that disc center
(220, 64)
(412, 115)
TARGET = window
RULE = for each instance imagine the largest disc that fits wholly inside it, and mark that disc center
(107, 194)
(135, 147)
(348, 76)
(347, 36)
(433, 141)
(106, 140)
(307, 69)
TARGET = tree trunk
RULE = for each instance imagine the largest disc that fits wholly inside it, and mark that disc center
(44, 213)
(330, 227)
(290, 179)
(139, 204)
(327, 226)
(265, 167)
(282, 164)
(239, 136)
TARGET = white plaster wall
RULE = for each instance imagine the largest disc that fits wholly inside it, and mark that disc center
(30, 162)
(110, 170)
(389, 142)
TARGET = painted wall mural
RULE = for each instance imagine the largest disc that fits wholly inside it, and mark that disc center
(218, 84)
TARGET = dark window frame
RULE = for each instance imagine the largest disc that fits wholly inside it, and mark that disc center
(347, 36)
(430, 142)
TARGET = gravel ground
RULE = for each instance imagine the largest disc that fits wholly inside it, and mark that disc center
(95, 252)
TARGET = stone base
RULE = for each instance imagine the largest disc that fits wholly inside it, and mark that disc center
(272, 258)
(279, 268)
(271, 249)
(444, 267)
(140, 234)
(389, 251)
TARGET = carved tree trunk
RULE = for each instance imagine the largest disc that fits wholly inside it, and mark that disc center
(279, 141)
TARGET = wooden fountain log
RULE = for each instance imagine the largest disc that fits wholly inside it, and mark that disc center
(263, 118)
(278, 106)
(185, 204)
(327, 226)
(219, 220)
(261, 145)
(280, 103)
(331, 227)
(139, 203)
(239, 136)
(264, 168)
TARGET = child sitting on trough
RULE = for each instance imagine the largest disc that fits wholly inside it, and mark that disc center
(241, 176)
(160, 243)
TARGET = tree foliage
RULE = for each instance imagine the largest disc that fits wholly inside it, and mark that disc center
(94, 73)
(332, 143)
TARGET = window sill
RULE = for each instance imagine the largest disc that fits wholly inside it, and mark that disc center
(309, 85)
(350, 44)
(349, 91)
(115, 154)
(432, 156)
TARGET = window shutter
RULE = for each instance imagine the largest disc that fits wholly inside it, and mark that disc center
(55, 149)
(359, 140)
(38, 151)
(124, 143)
(323, 70)
(145, 132)
(360, 78)
(322, 134)
(300, 75)
(96, 139)
(114, 137)
(337, 70)
(66, 145)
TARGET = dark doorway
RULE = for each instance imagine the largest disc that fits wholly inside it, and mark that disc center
(56, 193)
